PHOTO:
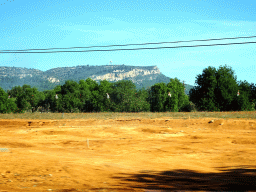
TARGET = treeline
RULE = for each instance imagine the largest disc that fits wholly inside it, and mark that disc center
(216, 90)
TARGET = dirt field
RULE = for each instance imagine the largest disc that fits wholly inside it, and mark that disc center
(149, 155)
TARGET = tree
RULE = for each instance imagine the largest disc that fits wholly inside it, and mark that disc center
(50, 102)
(178, 98)
(11, 106)
(69, 87)
(104, 103)
(252, 96)
(85, 96)
(3, 100)
(92, 84)
(15, 91)
(203, 95)
(141, 103)
(28, 98)
(242, 102)
(68, 98)
(123, 95)
(227, 87)
(216, 90)
(158, 96)
(23, 99)
(90, 95)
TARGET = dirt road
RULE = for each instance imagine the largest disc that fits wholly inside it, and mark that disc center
(127, 155)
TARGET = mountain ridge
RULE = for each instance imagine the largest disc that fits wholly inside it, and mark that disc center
(141, 76)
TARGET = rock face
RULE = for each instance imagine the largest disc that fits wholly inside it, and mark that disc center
(141, 76)
(120, 74)
(53, 80)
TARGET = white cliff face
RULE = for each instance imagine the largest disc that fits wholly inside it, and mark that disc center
(24, 75)
(53, 80)
(117, 75)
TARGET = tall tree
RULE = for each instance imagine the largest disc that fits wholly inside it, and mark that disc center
(28, 98)
(242, 102)
(123, 95)
(252, 96)
(203, 95)
(23, 99)
(85, 96)
(69, 99)
(216, 89)
(3, 100)
(141, 103)
(227, 87)
(178, 97)
(93, 103)
(158, 94)
(104, 102)
(15, 91)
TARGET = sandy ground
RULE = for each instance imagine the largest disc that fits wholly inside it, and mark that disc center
(149, 155)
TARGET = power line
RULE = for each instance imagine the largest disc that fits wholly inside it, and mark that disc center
(220, 39)
(134, 49)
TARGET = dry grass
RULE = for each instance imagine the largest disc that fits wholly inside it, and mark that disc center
(142, 115)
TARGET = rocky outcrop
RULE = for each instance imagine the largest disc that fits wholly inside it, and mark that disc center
(141, 76)
(53, 80)
(120, 74)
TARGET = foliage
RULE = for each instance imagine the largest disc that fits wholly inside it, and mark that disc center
(157, 97)
(141, 103)
(226, 90)
(252, 96)
(3, 99)
(242, 102)
(41, 80)
(123, 96)
(217, 91)
(203, 95)
(178, 97)
(28, 98)
(11, 105)
(105, 88)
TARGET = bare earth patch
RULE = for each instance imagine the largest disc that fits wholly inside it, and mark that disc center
(127, 155)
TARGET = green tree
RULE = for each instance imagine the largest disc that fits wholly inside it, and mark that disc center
(252, 96)
(105, 88)
(90, 95)
(216, 90)
(85, 96)
(187, 105)
(203, 95)
(141, 103)
(15, 91)
(3, 100)
(23, 99)
(178, 97)
(227, 87)
(242, 102)
(123, 96)
(11, 106)
(51, 103)
(69, 87)
(28, 98)
(93, 85)
(158, 95)
(69, 97)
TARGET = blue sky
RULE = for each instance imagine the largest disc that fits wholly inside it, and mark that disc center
(39, 24)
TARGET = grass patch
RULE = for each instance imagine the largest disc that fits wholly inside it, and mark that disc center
(141, 115)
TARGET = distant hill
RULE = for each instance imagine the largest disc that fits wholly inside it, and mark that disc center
(141, 76)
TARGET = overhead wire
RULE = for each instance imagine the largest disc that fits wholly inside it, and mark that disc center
(184, 46)
(143, 48)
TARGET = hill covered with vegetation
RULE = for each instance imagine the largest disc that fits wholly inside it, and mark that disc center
(141, 76)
